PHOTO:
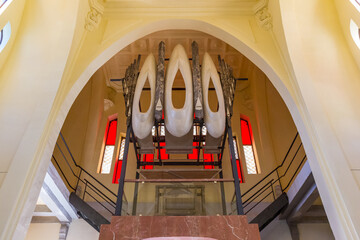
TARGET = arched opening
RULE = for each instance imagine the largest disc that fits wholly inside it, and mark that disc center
(255, 97)
(282, 90)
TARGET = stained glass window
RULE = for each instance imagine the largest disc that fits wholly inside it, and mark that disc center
(247, 140)
(118, 163)
(110, 137)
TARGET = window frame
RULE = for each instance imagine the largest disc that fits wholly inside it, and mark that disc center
(252, 145)
(239, 165)
(105, 145)
(118, 160)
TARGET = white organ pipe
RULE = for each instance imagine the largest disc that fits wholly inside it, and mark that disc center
(179, 121)
(143, 122)
(214, 121)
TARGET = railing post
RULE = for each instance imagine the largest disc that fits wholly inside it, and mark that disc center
(222, 190)
(85, 189)
(239, 206)
(122, 174)
(77, 182)
(277, 172)
(272, 190)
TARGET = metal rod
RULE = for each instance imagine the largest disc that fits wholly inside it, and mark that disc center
(67, 147)
(272, 189)
(83, 198)
(239, 207)
(200, 142)
(77, 182)
(179, 180)
(297, 169)
(67, 181)
(158, 142)
(136, 190)
(123, 172)
(275, 168)
(223, 145)
(182, 163)
(278, 179)
(222, 190)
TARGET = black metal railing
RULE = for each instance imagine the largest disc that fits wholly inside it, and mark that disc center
(265, 188)
(87, 186)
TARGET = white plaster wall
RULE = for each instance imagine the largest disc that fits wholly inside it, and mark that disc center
(317, 231)
(279, 230)
(27, 92)
(328, 79)
(80, 229)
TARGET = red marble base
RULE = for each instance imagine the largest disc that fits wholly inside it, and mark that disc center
(216, 227)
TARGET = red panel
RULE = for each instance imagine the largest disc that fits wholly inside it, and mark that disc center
(111, 136)
(117, 171)
(239, 169)
(164, 155)
(245, 132)
(149, 158)
(208, 158)
(194, 155)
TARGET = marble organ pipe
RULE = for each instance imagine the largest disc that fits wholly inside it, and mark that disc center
(214, 121)
(179, 121)
(143, 122)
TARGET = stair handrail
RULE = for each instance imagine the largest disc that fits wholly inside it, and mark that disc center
(82, 169)
(282, 163)
(269, 184)
(86, 182)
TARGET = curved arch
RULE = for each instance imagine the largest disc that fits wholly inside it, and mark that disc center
(293, 102)
(179, 24)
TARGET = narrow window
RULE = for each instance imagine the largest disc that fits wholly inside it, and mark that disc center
(247, 140)
(2, 3)
(355, 33)
(118, 163)
(238, 162)
(110, 137)
(5, 36)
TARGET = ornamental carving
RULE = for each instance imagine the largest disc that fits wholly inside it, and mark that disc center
(264, 18)
(93, 17)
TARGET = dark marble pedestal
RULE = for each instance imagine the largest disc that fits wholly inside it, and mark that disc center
(216, 227)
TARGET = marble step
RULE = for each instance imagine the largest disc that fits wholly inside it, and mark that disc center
(179, 227)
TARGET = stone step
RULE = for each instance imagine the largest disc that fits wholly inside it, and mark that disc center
(215, 227)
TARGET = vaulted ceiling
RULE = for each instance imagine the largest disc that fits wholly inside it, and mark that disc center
(116, 66)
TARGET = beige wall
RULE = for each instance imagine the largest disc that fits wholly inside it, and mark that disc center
(43, 231)
(278, 229)
(79, 229)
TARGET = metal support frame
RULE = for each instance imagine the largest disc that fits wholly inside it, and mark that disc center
(222, 190)
(239, 205)
(119, 200)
